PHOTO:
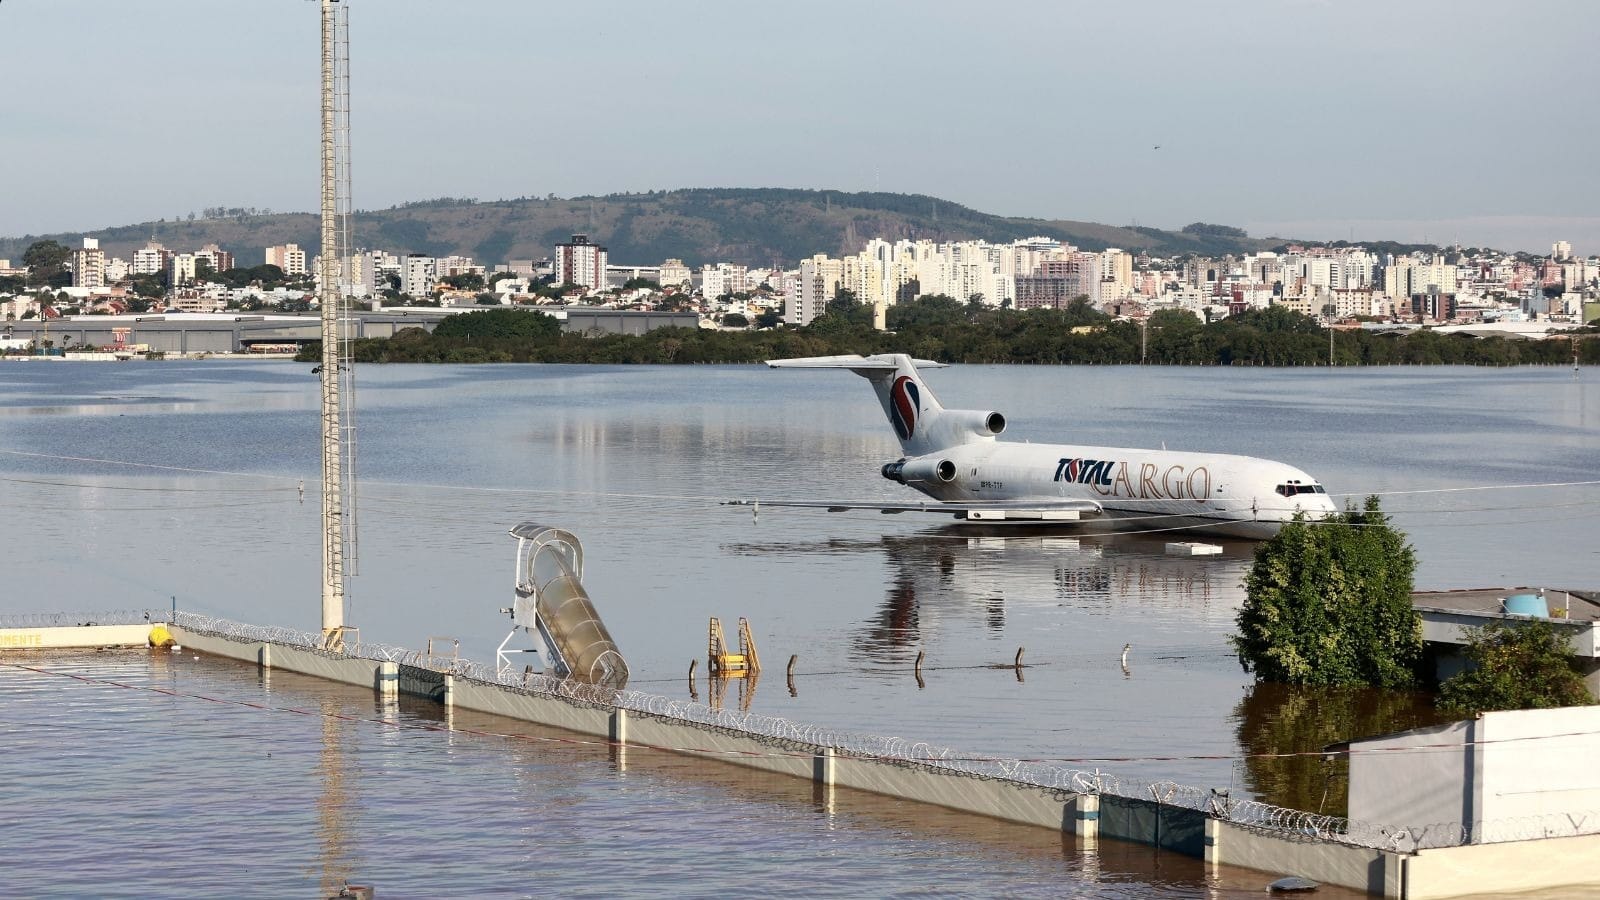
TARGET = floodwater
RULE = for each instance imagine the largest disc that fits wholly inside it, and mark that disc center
(635, 460)
(139, 773)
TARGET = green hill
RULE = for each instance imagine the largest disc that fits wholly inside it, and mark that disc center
(759, 226)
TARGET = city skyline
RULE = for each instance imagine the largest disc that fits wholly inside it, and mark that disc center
(1295, 119)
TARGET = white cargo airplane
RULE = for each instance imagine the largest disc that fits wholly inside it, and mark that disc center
(952, 456)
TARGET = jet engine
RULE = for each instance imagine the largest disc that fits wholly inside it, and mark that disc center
(923, 470)
(982, 424)
(954, 427)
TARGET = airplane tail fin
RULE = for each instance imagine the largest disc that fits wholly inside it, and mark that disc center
(919, 421)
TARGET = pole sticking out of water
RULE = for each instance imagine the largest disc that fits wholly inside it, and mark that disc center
(332, 412)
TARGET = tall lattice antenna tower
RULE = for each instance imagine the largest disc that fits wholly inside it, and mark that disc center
(338, 377)
(344, 210)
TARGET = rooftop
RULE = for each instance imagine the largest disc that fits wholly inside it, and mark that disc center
(1581, 606)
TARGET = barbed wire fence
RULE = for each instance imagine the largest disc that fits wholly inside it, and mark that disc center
(79, 619)
(791, 736)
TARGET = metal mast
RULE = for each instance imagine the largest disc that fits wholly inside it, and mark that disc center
(334, 368)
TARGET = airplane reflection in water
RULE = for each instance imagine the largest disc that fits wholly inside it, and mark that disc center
(960, 571)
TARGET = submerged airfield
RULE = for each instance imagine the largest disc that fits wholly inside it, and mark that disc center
(634, 461)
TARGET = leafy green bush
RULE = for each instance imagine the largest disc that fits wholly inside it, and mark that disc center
(1329, 602)
(1521, 665)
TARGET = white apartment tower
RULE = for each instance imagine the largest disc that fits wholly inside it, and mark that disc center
(181, 269)
(89, 265)
(418, 274)
(722, 278)
(151, 259)
(580, 262)
(820, 278)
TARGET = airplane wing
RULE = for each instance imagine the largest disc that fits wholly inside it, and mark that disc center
(854, 362)
(1062, 510)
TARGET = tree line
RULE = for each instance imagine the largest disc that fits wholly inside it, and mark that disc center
(948, 330)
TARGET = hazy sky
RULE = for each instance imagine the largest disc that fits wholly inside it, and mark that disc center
(1446, 119)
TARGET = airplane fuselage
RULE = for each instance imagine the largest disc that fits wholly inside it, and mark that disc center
(1217, 493)
(954, 457)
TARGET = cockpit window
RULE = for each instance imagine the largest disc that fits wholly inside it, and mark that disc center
(1295, 487)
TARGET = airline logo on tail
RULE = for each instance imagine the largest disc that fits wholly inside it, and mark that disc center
(904, 401)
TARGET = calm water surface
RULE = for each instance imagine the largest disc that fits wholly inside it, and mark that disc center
(635, 459)
(164, 775)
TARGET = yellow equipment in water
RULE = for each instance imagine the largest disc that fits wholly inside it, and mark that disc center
(723, 664)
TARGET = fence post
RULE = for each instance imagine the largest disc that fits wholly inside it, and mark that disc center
(388, 678)
(1086, 819)
(822, 767)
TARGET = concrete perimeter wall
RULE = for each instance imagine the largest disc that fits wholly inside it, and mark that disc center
(1377, 872)
(62, 637)
(528, 706)
(1011, 801)
(1496, 868)
(345, 669)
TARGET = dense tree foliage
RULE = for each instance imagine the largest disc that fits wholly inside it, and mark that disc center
(151, 285)
(268, 277)
(1329, 602)
(498, 325)
(945, 329)
(1207, 228)
(47, 263)
(1515, 665)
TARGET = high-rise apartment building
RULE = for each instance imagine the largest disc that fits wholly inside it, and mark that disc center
(820, 278)
(674, 272)
(1079, 272)
(181, 269)
(446, 266)
(580, 262)
(1116, 274)
(288, 257)
(151, 259)
(418, 275)
(722, 278)
(89, 265)
(219, 259)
